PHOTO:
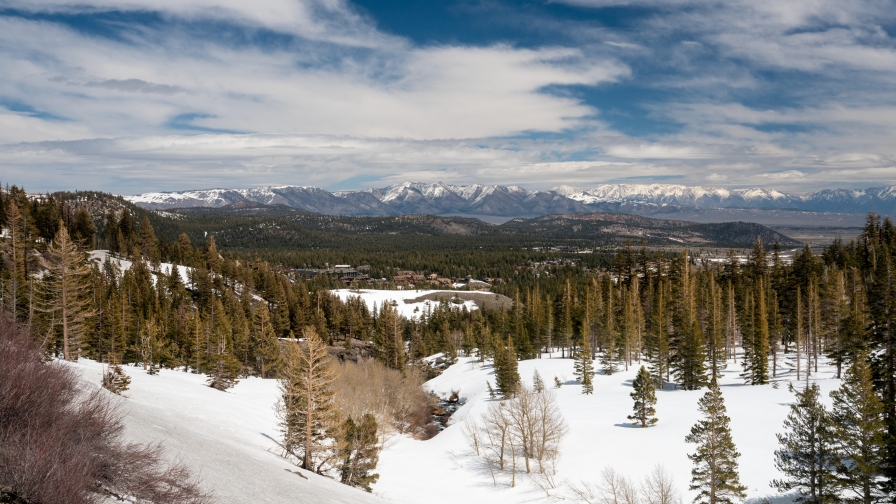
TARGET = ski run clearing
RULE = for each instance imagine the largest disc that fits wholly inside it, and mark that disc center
(230, 438)
(101, 256)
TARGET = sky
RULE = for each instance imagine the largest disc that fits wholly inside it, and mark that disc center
(130, 96)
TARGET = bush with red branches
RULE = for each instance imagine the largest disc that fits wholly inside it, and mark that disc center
(61, 443)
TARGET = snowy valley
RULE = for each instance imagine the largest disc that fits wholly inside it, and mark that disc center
(231, 438)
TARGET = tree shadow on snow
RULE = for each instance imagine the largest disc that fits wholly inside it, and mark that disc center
(629, 426)
(771, 499)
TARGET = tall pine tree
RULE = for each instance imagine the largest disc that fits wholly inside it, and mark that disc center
(507, 376)
(806, 457)
(307, 413)
(584, 367)
(67, 290)
(858, 428)
(715, 473)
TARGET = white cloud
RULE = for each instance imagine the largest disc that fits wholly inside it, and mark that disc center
(790, 174)
(333, 21)
(428, 92)
(657, 151)
(341, 99)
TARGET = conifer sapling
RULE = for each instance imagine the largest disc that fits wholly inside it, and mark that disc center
(644, 395)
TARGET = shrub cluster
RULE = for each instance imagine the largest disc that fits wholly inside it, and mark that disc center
(61, 443)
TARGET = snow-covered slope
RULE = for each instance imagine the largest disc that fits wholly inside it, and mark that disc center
(227, 438)
(443, 469)
(410, 304)
(101, 256)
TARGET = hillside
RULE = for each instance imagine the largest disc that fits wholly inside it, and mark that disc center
(229, 439)
(609, 227)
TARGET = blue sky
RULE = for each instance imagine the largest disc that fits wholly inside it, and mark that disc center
(136, 95)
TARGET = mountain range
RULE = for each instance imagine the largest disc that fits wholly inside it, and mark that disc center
(514, 201)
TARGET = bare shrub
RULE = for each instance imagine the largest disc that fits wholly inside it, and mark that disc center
(517, 431)
(60, 443)
(657, 488)
(617, 489)
(397, 400)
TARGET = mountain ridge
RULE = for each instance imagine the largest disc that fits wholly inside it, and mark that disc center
(513, 201)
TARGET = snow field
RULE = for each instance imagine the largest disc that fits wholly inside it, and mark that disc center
(443, 469)
(229, 439)
(407, 310)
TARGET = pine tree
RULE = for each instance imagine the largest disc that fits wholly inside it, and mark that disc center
(307, 413)
(14, 248)
(761, 338)
(360, 452)
(149, 247)
(806, 456)
(715, 339)
(858, 431)
(715, 473)
(264, 342)
(657, 342)
(66, 290)
(584, 368)
(507, 376)
(610, 348)
(537, 382)
(689, 361)
(644, 394)
(115, 380)
(388, 341)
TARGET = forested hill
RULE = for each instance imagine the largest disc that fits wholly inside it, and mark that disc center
(608, 227)
(252, 226)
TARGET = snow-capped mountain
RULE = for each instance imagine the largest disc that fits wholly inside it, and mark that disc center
(406, 198)
(513, 201)
(671, 194)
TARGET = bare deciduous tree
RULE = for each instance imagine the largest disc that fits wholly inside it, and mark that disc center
(659, 488)
(527, 427)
